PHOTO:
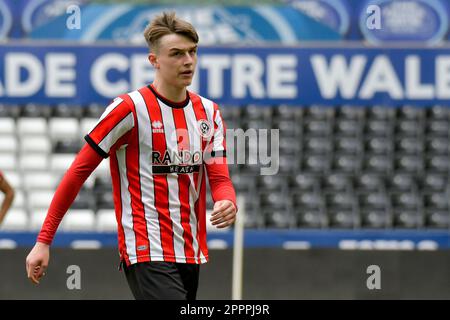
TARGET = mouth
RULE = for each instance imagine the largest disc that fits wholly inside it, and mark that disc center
(188, 73)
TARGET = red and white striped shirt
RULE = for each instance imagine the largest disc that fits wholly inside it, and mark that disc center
(156, 149)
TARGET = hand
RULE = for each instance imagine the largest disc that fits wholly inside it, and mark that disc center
(224, 214)
(37, 261)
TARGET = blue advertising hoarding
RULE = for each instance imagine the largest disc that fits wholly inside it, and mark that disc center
(239, 76)
(421, 21)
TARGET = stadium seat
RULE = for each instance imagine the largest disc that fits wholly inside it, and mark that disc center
(35, 144)
(347, 128)
(103, 168)
(410, 113)
(439, 113)
(378, 145)
(438, 163)
(33, 110)
(64, 128)
(255, 112)
(438, 128)
(10, 111)
(243, 182)
(67, 111)
(106, 221)
(438, 219)
(104, 183)
(376, 219)
(285, 112)
(369, 182)
(60, 162)
(438, 145)
(15, 220)
(346, 163)
(378, 163)
(40, 180)
(287, 164)
(340, 200)
(7, 126)
(310, 218)
(255, 124)
(81, 220)
(14, 178)
(274, 200)
(438, 200)
(350, 113)
(304, 182)
(409, 145)
(378, 128)
(317, 145)
(408, 219)
(406, 200)
(409, 163)
(67, 146)
(373, 200)
(402, 182)
(380, 113)
(33, 162)
(316, 163)
(318, 112)
(409, 128)
(349, 145)
(317, 128)
(39, 199)
(8, 161)
(337, 182)
(20, 201)
(342, 218)
(308, 200)
(434, 182)
(272, 183)
(277, 218)
(32, 126)
(253, 218)
(84, 200)
(104, 200)
(288, 128)
(8, 143)
(289, 146)
(87, 124)
(36, 219)
(94, 110)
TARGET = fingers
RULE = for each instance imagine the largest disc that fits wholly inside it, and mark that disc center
(221, 206)
(35, 271)
(32, 272)
(228, 221)
(41, 272)
(224, 219)
(220, 214)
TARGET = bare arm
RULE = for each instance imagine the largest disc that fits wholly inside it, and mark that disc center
(8, 190)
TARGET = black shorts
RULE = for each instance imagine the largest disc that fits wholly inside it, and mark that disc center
(163, 280)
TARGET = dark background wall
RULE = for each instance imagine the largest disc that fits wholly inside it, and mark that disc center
(268, 274)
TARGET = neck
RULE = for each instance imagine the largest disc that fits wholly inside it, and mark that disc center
(175, 94)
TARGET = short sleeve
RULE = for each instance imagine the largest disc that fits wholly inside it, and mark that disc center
(114, 123)
(218, 141)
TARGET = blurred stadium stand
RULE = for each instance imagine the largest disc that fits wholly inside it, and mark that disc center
(344, 167)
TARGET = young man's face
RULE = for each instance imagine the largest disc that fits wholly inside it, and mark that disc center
(175, 59)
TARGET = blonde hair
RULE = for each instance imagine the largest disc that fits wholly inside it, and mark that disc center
(165, 24)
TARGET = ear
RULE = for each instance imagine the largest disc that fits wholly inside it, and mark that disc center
(153, 60)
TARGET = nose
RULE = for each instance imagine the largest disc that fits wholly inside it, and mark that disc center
(188, 59)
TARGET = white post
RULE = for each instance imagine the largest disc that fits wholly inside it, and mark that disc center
(238, 250)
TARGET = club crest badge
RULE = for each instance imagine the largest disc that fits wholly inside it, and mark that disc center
(205, 128)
